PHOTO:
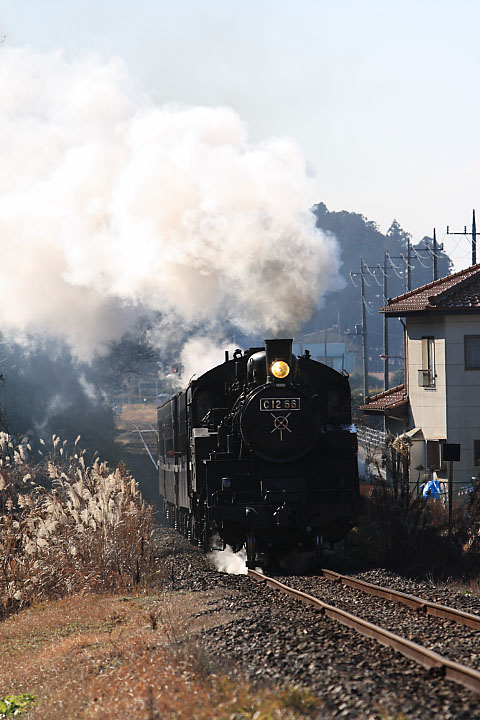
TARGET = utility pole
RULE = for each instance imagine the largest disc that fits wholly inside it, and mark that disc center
(364, 333)
(474, 239)
(364, 324)
(435, 259)
(409, 265)
(473, 234)
(386, 382)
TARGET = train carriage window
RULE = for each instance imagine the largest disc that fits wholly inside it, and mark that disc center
(182, 419)
(161, 432)
(165, 429)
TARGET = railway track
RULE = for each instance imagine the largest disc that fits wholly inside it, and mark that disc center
(430, 608)
(453, 670)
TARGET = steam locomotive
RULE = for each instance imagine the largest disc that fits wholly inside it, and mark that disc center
(260, 451)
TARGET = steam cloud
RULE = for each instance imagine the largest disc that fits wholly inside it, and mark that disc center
(111, 207)
(229, 562)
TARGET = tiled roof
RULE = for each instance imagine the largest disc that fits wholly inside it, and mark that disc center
(387, 400)
(459, 293)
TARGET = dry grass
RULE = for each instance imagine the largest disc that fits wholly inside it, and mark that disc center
(71, 538)
(137, 413)
(470, 586)
(88, 657)
(66, 527)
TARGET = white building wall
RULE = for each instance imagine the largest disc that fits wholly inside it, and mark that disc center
(451, 410)
(463, 394)
(427, 405)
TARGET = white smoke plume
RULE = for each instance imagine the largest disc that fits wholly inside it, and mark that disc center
(229, 562)
(111, 206)
(201, 353)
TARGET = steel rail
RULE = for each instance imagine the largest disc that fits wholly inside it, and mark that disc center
(145, 445)
(466, 676)
(431, 608)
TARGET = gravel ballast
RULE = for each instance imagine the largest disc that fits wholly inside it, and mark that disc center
(278, 641)
(445, 637)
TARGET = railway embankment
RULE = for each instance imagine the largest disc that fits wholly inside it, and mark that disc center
(140, 654)
(203, 644)
(187, 641)
(275, 640)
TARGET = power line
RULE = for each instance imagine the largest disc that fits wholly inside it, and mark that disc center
(418, 258)
(473, 233)
(352, 280)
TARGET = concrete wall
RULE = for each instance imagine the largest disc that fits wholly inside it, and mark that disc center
(428, 405)
(463, 393)
(450, 410)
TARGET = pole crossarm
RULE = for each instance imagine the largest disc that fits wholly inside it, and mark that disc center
(472, 233)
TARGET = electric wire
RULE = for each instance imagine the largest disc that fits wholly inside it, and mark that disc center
(373, 275)
(379, 282)
(396, 273)
(421, 263)
(367, 308)
(407, 264)
(456, 246)
(391, 262)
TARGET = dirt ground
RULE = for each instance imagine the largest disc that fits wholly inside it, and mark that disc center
(112, 656)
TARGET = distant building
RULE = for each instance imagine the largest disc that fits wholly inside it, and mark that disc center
(440, 400)
(330, 347)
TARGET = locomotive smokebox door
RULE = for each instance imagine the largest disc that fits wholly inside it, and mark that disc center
(279, 360)
(279, 424)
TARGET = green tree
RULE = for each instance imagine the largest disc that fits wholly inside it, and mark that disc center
(358, 238)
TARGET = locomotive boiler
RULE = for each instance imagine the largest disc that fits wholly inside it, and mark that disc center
(260, 451)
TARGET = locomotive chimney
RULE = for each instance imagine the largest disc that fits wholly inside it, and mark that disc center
(279, 359)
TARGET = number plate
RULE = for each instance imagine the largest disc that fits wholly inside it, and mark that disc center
(272, 404)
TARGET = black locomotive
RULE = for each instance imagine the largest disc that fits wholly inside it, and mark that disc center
(261, 451)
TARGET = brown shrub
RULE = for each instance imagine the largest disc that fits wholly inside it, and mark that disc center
(89, 531)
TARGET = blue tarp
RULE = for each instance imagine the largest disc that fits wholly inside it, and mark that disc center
(433, 488)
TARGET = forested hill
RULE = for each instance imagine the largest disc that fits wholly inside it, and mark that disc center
(361, 238)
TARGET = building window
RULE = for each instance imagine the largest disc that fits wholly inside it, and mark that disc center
(476, 453)
(472, 352)
(427, 375)
(433, 454)
(435, 459)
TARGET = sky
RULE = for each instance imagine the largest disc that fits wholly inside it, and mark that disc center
(382, 97)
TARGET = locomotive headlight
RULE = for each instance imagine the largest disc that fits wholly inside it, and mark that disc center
(280, 369)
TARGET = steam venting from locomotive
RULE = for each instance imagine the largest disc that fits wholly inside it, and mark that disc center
(112, 207)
